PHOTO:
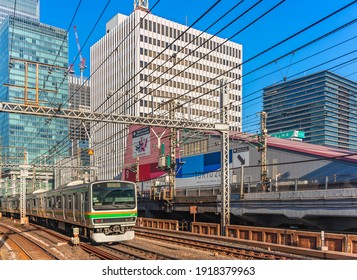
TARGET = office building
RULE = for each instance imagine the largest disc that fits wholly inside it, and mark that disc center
(147, 65)
(33, 69)
(322, 105)
(26, 9)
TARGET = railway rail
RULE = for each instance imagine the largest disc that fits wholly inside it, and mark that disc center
(220, 247)
(26, 247)
(115, 251)
(138, 252)
(148, 245)
(238, 249)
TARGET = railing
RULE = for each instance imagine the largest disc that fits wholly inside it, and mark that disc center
(346, 243)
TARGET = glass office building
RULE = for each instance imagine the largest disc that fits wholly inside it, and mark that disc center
(33, 68)
(323, 105)
(27, 9)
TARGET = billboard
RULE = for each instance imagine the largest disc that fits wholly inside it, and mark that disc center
(289, 134)
(141, 142)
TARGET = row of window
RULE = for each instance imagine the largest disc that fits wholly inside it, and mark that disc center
(196, 65)
(194, 53)
(70, 201)
(197, 147)
(188, 75)
(188, 37)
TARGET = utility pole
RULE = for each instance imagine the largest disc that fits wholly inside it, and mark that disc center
(172, 164)
(225, 208)
(262, 138)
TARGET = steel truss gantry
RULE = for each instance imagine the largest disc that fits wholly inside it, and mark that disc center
(105, 117)
(222, 127)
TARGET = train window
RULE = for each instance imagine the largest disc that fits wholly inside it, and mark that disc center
(49, 205)
(34, 203)
(112, 196)
(53, 202)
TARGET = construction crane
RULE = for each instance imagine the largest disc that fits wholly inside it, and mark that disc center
(82, 64)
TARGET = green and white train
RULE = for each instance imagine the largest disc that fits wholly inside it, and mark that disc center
(104, 211)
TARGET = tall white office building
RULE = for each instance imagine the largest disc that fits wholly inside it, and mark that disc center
(143, 63)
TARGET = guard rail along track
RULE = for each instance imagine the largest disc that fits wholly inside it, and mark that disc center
(309, 244)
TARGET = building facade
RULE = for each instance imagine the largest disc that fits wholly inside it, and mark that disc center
(27, 9)
(322, 105)
(79, 131)
(33, 71)
(79, 92)
(148, 65)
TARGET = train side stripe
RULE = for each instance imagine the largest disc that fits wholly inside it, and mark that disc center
(111, 214)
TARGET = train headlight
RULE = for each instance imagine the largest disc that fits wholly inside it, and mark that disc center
(98, 221)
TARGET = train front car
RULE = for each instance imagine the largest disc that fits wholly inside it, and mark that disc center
(113, 211)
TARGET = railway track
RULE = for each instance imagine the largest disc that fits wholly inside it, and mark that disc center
(138, 252)
(40, 235)
(118, 251)
(25, 247)
(220, 247)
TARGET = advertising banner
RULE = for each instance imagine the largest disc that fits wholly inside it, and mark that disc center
(141, 142)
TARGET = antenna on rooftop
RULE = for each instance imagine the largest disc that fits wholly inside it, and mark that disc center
(141, 5)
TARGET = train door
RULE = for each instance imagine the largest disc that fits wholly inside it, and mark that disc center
(34, 206)
(40, 205)
(58, 207)
(48, 206)
(28, 205)
(74, 209)
(64, 204)
(84, 207)
(53, 205)
(69, 212)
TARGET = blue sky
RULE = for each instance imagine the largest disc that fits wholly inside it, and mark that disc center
(287, 19)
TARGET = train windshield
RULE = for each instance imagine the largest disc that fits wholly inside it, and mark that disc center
(113, 195)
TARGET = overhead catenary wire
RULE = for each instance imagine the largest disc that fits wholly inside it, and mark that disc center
(191, 41)
(277, 44)
(93, 72)
(134, 29)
